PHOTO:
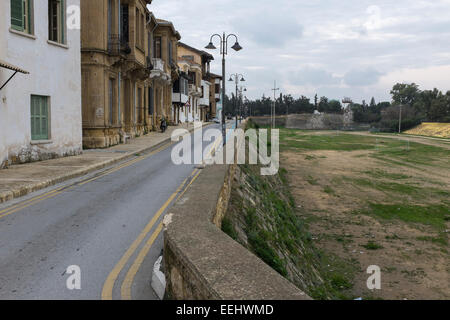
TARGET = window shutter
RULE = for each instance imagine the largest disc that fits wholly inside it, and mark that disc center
(44, 119)
(17, 11)
(63, 21)
(39, 118)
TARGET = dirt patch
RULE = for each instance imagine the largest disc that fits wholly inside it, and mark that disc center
(334, 191)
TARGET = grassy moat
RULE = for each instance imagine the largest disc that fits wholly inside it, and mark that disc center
(344, 201)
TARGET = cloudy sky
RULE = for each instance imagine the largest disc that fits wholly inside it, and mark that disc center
(336, 48)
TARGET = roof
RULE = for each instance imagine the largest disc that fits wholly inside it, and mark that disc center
(6, 65)
(213, 75)
(200, 52)
(165, 23)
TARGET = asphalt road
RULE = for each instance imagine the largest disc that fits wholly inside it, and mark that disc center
(108, 223)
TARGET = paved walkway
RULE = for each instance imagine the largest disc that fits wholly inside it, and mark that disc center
(19, 180)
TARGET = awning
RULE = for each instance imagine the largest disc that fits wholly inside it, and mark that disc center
(11, 67)
(6, 65)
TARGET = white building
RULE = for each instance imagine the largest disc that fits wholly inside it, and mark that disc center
(205, 106)
(40, 112)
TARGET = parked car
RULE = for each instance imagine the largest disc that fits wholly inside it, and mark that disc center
(216, 120)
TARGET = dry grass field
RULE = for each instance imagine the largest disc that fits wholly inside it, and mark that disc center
(371, 200)
(432, 129)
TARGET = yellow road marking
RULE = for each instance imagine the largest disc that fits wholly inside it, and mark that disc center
(27, 201)
(113, 275)
(53, 193)
(30, 203)
(125, 289)
(126, 285)
(192, 181)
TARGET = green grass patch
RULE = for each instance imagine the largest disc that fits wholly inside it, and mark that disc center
(228, 228)
(379, 174)
(371, 245)
(387, 187)
(441, 239)
(432, 215)
(329, 190)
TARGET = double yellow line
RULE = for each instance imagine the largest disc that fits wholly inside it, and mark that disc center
(125, 289)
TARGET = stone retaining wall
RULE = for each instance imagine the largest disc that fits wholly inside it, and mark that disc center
(202, 262)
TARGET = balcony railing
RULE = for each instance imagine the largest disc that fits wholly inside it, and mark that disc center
(117, 46)
(178, 97)
(158, 64)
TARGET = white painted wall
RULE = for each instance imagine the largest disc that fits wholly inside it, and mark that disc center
(204, 100)
(55, 72)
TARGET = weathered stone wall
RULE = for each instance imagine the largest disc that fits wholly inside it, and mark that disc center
(314, 122)
(202, 262)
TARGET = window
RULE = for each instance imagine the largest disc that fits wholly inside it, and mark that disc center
(112, 102)
(138, 28)
(124, 18)
(56, 21)
(170, 52)
(21, 15)
(142, 33)
(151, 104)
(39, 118)
(139, 106)
(157, 51)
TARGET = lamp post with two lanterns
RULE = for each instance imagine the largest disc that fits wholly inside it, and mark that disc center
(224, 51)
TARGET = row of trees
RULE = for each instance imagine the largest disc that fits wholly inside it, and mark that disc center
(286, 104)
(414, 104)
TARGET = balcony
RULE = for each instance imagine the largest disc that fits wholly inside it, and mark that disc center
(203, 102)
(179, 98)
(159, 71)
(195, 91)
(117, 46)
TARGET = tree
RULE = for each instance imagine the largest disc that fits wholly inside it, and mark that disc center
(323, 104)
(405, 94)
(288, 101)
(334, 106)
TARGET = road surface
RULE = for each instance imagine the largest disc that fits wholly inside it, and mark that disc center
(107, 223)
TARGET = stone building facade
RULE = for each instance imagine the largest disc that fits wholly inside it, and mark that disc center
(127, 71)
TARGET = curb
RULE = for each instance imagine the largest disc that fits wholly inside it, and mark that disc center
(20, 192)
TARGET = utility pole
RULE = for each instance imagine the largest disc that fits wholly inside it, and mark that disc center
(400, 120)
(273, 114)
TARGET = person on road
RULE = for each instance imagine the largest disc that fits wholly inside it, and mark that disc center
(163, 124)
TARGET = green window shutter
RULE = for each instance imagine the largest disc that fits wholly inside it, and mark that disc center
(17, 11)
(39, 118)
(63, 21)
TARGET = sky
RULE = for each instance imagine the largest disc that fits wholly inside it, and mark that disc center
(335, 48)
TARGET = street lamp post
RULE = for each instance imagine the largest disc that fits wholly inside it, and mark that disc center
(224, 52)
(237, 77)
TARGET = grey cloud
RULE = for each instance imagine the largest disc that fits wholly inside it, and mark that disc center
(313, 76)
(361, 78)
(269, 28)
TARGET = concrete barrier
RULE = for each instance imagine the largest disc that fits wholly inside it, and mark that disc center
(202, 262)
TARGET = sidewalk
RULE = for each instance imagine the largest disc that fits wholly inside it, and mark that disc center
(19, 180)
